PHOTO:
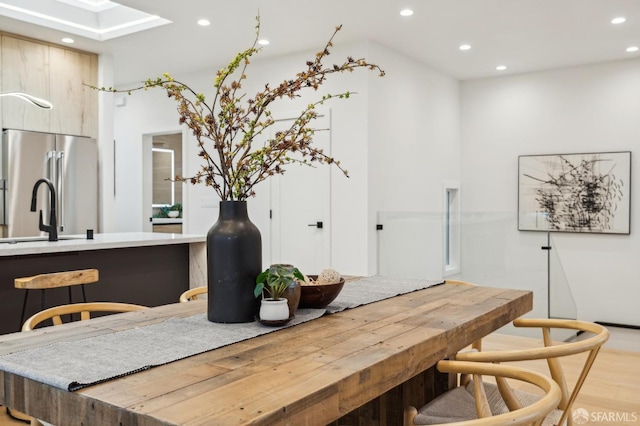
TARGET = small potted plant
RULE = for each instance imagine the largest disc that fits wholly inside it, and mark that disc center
(175, 210)
(276, 282)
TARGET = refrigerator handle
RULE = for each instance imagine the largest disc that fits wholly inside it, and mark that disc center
(60, 187)
(51, 175)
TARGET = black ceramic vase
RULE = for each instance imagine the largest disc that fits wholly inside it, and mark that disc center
(234, 260)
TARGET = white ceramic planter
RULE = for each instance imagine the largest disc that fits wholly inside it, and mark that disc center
(274, 310)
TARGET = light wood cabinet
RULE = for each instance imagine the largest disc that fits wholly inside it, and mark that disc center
(170, 228)
(25, 68)
(75, 109)
(53, 73)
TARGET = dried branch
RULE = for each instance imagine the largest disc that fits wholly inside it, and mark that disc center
(226, 128)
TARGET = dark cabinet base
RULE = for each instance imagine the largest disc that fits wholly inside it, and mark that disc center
(150, 276)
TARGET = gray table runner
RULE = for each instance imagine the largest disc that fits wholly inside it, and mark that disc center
(73, 365)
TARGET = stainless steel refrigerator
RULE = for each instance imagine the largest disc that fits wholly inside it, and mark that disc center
(69, 162)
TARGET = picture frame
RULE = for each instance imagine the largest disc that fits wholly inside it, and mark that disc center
(582, 193)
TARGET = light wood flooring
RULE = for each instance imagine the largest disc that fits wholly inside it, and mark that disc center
(611, 387)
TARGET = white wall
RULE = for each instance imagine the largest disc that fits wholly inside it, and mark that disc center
(398, 137)
(153, 112)
(106, 198)
(573, 110)
(414, 146)
(405, 134)
(142, 113)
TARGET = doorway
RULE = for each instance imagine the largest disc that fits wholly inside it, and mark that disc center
(163, 198)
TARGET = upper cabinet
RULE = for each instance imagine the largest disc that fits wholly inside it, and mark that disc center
(75, 106)
(25, 68)
(53, 73)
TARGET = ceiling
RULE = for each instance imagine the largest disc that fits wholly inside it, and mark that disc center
(524, 35)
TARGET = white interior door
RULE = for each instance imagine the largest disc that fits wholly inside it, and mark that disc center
(301, 208)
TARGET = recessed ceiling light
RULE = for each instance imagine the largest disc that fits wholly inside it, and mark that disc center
(406, 12)
(67, 40)
(263, 42)
(464, 47)
(632, 49)
(204, 22)
(501, 67)
(618, 20)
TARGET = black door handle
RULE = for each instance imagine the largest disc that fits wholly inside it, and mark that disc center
(317, 225)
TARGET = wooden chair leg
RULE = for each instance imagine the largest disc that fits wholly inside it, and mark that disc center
(410, 413)
(24, 309)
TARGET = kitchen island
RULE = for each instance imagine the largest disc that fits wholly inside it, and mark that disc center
(149, 269)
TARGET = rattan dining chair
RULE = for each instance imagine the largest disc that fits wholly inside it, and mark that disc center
(84, 309)
(504, 398)
(472, 403)
(192, 293)
(459, 282)
(55, 315)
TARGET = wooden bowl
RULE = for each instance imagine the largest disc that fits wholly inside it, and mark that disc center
(319, 295)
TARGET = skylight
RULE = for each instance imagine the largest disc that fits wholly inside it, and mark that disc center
(91, 5)
(95, 19)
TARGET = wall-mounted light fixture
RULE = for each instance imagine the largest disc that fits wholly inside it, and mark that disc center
(29, 98)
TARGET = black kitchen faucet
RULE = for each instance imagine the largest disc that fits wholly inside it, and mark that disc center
(52, 228)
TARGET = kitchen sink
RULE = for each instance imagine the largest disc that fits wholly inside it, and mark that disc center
(34, 239)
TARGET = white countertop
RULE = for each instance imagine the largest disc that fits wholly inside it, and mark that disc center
(99, 242)
(166, 220)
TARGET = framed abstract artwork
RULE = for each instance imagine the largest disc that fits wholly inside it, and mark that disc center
(575, 192)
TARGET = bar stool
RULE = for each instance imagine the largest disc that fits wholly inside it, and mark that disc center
(44, 282)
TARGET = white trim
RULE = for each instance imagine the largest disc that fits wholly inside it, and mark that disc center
(451, 228)
(173, 173)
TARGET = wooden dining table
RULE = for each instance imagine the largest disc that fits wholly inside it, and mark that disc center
(358, 366)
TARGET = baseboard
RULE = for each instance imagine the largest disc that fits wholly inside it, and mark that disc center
(613, 324)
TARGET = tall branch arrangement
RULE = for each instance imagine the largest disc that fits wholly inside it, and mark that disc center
(226, 127)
